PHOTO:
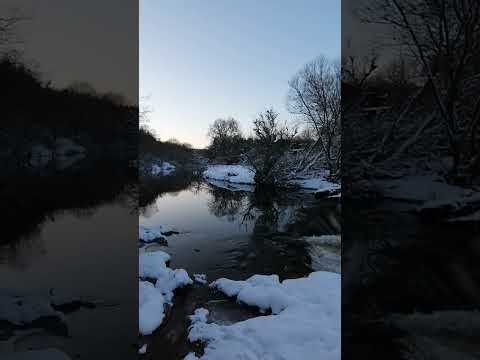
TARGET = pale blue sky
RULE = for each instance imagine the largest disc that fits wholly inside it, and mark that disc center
(205, 59)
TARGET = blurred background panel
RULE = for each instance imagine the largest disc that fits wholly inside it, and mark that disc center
(68, 148)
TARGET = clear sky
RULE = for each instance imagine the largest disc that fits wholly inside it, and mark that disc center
(205, 59)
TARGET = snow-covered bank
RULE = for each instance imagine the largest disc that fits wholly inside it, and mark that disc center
(154, 298)
(65, 152)
(291, 332)
(422, 188)
(162, 169)
(239, 174)
(243, 175)
(433, 196)
(148, 235)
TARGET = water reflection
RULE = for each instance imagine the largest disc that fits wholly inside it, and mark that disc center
(237, 233)
(234, 232)
(69, 242)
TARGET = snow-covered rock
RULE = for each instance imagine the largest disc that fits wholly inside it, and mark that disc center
(147, 235)
(201, 278)
(290, 333)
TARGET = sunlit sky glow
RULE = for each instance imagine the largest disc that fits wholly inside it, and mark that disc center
(201, 60)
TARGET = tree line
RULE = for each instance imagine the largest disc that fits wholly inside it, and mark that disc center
(421, 110)
(34, 112)
(278, 151)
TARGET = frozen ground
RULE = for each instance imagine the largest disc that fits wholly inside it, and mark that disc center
(244, 176)
(153, 298)
(290, 332)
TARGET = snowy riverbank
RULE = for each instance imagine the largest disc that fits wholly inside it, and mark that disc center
(290, 332)
(243, 175)
(284, 325)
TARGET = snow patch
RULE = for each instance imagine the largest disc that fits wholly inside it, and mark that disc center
(165, 168)
(23, 310)
(290, 333)
(153, 298)
(143, 350)
(231, 173)
(324, 252)
(147, 235)
(201, 278)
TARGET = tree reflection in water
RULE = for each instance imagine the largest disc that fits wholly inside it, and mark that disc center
(279, 221)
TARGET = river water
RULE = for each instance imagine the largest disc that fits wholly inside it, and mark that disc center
(233, 232)
(75, 248)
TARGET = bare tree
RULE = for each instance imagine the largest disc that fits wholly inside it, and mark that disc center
(443, 36)
(272, 140)
(315, 95)
(225, 137)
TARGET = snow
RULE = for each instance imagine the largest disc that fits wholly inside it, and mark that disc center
(324, 252)
(231, 173)
(147, 235)
(165, 168)
(290, 333)
(471, 217)
(243, 175)
(153, 298)
(201, 278)
(151, 307)
(65, 151)
(429, 189)
(199, 315)
(231, 186)
(334, 240)
(23, 310)
(152, 264)
(319, 184)
(143, 349)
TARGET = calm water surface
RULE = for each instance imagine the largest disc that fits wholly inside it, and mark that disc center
(233, 234)
(84, 253)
